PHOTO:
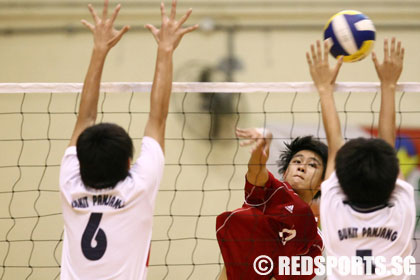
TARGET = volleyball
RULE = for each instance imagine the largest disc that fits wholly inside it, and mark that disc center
(351, 34)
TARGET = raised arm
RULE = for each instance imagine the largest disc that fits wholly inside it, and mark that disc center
(260, 139)
(389, 71)
(324, 78)
(168, 38)
(105, 36)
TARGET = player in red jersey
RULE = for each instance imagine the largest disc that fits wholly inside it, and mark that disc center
(275, 219)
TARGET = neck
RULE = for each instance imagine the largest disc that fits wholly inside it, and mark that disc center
(306, 195)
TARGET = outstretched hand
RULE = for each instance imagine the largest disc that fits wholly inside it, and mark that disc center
(390, 69)
(104, 34)
(171, 31)
(322, 74)
(259, 138)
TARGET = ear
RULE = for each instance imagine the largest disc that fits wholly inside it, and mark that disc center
(129, 164)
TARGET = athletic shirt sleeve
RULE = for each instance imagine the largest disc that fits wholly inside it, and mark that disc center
(403, 198)
(331, 195)
(403, 192)
(274, 199)
(149, 167)
(256, 194)
(69, 169)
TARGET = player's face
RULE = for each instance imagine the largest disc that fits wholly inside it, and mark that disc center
(304, 172)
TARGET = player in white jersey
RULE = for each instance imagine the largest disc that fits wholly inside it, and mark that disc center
(108, 206)
(367, 209)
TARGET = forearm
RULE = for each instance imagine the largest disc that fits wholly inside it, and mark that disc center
(331, 122)
(90, 93)
(162, 84)
(168, 37)
(386, 127)
(257, 173)
(160, 96)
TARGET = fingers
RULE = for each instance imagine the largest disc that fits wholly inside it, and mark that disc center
(398, 51)
(93, 13)
(121, 33)
(242, 133)
(162, 11)
(88, 25)
(386, 50)
(327, 48)
(153, 30)
(395, 51)
(375, 60)
(390, 52)
(393, 46)
(124, 30)
(173, 10)
(105, 10)
(318, 50)
(249, 133)
(185, 17)
(115, 13)
(117, 37)
(253, 133)
(337, 69)
(246, 142)
(314, 58)
(308, 59)
(189, 29)
(318, 54)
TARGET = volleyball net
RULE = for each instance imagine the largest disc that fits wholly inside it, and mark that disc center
(204, 170)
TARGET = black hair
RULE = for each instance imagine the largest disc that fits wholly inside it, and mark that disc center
(367, 170)
(299, 144)
(103, 151)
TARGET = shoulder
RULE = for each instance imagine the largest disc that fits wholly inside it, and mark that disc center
(147, 172)
(151, 156)
(330, 182)
(69, 168)
(331, 188)
(402, 186)
(403, 194)
(70, 152)
(149, 143)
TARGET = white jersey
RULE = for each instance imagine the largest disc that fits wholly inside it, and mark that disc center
(381, 231)
(107, 233)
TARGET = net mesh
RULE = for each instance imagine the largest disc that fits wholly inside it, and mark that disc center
(205, 166)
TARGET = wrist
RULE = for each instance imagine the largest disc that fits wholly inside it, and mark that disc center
(265, 133)
(388, 85)
(323, 90)
(165, 49)
(100, 51)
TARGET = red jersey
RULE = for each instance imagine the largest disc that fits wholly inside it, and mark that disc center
(273, 221)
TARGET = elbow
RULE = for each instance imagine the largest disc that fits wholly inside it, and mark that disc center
(159, 116)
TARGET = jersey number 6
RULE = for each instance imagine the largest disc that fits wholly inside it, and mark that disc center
(97, 252)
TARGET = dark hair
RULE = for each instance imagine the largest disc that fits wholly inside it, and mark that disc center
(303, 143)
(367, 170)
(103, 151)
